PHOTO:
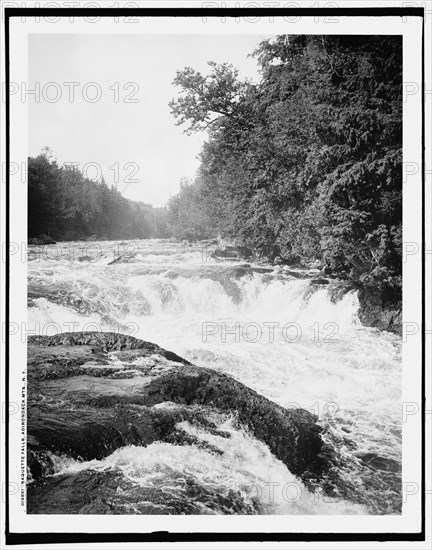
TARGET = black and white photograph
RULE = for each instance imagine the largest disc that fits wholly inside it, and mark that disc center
(215, 273)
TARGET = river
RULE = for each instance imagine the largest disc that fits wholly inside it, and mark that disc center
(297, 343)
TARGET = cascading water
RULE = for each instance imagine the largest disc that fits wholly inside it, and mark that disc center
(297, 343)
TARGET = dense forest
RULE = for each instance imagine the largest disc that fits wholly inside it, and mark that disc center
(65, 205)
(306, 164)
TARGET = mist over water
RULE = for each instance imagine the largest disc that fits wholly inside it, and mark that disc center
(297, 343)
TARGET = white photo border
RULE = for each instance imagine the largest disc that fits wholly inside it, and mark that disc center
(411, 522)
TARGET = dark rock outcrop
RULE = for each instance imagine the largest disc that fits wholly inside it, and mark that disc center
(41, 240)
(319, 281)
(232, 253)
(35, 241)
(91, 492)
(378, 312)
(93, 393)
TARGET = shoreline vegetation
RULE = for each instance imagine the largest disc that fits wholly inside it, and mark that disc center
(303, 169)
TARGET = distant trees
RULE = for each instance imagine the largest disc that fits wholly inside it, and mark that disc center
(306, 164)
(64, 204)
(187, 219)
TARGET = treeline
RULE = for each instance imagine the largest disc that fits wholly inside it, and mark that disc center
(305, 165)
(65, 205)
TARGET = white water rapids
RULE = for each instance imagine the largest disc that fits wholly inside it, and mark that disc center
(299, 344)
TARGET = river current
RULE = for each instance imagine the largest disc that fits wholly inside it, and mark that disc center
(297, 343)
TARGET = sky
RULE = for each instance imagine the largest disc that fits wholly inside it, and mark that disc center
(134, 144)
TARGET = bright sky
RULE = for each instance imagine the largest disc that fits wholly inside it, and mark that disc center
(106, 131)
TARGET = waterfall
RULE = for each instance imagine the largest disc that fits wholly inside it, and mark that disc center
(296, 342)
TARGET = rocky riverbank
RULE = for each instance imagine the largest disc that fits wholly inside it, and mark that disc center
(90, 394)
(376, 309)
(377, 312)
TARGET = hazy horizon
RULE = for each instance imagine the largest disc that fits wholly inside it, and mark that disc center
(107, 131)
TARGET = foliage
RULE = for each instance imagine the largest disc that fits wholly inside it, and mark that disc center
(218, 93)
(64, 204)
(186, 218)
(307, 164)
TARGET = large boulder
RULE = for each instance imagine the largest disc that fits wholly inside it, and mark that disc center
(380, 313)
(35, 241)
(41, 240)
(319, 281)
(92, 393)
(46, 239)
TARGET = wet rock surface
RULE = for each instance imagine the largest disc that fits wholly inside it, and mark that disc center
(90, 394)
(378, 313)
(41, 240)
(232, 253)
(91, 492)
